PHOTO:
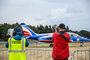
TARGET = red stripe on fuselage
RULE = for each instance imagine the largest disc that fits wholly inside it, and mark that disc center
(26, 33)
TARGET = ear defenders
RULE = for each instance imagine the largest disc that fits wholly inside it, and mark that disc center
(14, 30)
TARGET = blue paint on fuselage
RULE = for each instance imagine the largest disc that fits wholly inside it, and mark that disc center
(79, 39)
(74, 39)
(35, 37)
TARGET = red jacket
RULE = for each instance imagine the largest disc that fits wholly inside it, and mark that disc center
(60, 46)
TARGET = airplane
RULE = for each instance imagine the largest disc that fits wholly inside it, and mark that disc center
(29, 34)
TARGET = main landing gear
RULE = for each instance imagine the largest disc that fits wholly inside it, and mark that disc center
(81, 44)
(51, 45)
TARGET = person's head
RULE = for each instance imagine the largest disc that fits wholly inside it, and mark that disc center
(55, 27)
(61, 27)
(17, 30)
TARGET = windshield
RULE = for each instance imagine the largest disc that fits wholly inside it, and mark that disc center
(73, 34)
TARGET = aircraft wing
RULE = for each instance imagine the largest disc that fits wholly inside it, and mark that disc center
(46, 39)
(27, 37)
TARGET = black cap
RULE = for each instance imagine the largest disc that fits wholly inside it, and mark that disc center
(62, 26)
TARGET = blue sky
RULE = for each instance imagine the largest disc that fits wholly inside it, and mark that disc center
(74, 13)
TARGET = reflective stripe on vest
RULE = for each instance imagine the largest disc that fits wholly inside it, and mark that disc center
(17, 50)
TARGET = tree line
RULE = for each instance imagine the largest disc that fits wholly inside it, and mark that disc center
(38, 29)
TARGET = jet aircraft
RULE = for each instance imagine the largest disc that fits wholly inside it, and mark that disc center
(29, 34)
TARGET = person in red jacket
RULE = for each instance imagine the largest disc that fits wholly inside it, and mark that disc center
(60, 46)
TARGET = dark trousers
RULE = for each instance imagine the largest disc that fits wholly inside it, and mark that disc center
(61, 59)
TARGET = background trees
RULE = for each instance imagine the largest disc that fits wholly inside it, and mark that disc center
(39, 29)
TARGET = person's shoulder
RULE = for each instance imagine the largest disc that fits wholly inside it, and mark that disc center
(23, 38)
(56, 33)
(10, 37)
(66, 33)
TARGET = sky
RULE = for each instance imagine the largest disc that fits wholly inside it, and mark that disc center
(73, 13)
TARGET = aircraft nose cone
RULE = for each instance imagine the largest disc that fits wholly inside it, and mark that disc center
(84, 39)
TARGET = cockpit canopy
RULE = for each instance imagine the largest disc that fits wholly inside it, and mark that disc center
(73, 34)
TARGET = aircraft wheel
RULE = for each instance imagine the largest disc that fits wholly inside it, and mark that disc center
(81, 45)
(51, 45)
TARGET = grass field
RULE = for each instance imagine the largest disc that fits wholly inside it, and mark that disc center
(47, 55)
(72, 48)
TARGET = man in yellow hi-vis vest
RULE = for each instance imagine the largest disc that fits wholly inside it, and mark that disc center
(16, 45)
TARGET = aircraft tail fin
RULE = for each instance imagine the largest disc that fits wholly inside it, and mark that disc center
(26, 30)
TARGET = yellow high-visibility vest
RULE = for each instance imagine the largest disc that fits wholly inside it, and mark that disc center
(17, 49)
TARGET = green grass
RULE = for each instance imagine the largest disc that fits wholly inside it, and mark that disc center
(71, 45)
(39, 46)
(77, 45)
